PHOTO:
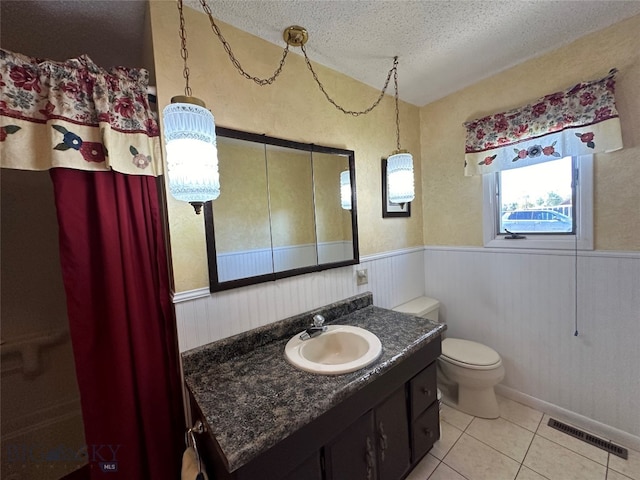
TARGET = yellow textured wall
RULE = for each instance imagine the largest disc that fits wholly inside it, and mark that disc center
(452, 203)
(293, 108)
(290, 198)
(241, 213)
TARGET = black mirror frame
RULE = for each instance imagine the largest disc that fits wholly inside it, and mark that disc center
(214, 284)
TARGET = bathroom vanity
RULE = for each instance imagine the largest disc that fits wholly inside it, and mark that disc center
(265, 419)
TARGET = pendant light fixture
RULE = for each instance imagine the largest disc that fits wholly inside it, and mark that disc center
(190, 130)
(400, 184)
(190, 140)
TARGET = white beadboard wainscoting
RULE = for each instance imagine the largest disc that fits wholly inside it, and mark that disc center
(261, 261)
(244, 263)
(394, 278)
(523, 305)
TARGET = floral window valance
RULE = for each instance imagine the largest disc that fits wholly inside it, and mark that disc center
(579, 121)
(77, 115)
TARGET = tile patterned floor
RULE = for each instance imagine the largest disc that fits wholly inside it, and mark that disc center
(517, 446)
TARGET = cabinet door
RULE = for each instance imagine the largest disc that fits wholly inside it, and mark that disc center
(351, 456)
(308, 470)
(392, 432)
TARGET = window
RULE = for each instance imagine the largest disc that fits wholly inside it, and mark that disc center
(549, 204)
(532, 199)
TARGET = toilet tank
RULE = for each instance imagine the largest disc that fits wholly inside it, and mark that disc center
(424, 307)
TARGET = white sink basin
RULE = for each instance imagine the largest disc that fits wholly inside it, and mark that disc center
(341, 349)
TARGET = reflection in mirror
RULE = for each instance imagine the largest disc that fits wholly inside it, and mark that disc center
(293, 233)
(241, 214)
(333, 223)
(279, 211)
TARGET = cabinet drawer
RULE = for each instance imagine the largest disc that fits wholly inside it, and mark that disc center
(425, 432)
(423, 390)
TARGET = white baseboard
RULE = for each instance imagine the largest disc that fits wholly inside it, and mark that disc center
(607, 432)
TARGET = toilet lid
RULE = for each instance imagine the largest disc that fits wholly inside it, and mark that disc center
(468, 352)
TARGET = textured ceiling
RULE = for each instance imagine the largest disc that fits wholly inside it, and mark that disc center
(443, 45)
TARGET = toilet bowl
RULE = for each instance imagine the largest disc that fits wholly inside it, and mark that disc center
(467, 371)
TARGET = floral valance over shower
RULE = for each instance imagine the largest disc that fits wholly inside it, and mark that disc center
(579, 121)
(77, 115)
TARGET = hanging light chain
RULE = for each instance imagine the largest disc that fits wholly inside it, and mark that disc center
(351, 112)
(276, 73)
(234, 60)
(184, 53)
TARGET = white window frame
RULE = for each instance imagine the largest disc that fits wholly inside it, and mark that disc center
(582, 240)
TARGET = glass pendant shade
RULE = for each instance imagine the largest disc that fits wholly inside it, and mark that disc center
(345, 190)
(192, 155)
(400, 187)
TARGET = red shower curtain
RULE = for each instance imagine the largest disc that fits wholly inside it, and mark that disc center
(122, 328)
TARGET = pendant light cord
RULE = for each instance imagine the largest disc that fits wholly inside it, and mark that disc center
(395, 81)
(575, 296)
(576, 179)
(184, 53)
(276, 73)
(394, 70)
(260, 81)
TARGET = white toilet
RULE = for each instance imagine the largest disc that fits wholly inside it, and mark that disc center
(467, 371)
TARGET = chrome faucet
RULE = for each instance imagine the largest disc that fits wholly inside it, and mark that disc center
(314, 330)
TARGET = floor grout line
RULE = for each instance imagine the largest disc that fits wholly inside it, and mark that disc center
(577, 453)
(528, 448)
(496, 450)
(521, 464)
(451, 448)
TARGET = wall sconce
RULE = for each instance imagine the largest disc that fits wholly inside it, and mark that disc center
(190, 139)
(345, 190)
(400, 182)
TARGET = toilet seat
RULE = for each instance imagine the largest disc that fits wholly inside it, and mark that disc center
(468, 354)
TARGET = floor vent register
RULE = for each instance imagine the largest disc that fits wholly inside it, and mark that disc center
(590, 439)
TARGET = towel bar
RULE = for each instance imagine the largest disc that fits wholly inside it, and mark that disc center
(190, 441)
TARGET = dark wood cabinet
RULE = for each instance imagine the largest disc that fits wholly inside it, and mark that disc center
(380, 432)
(423, 390)
(425, 415)
(425, 431)
(311, 469)
(376, 446)
(352, 454)
(392, 431)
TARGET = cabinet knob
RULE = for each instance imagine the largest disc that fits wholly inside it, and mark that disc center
(426, 391)
(428, 432)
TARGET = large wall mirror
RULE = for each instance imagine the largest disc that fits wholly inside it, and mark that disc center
(279, 212)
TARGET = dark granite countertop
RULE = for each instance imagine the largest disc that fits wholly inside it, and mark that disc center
(252, 398)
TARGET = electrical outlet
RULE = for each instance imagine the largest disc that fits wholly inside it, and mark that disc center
(362, 277)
